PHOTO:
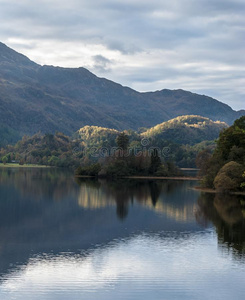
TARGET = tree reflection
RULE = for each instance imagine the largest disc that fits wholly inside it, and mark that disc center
(52, 184)
(160, 196)
(45, 209)
(122, 192)
(38, 183)
(226, 212)
(155, 191)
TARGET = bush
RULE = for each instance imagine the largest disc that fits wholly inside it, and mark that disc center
(243, 183)
(92, 170)
(119, 168)
(4, 160)
(229, 178)
(168, 169)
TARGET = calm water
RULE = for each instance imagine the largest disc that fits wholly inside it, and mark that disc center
(67, 239)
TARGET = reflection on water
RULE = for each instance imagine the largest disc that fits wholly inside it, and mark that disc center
(162, 197)
(226, 213)
(63, 238)
(37, 183)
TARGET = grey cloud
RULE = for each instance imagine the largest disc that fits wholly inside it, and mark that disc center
(101, 63)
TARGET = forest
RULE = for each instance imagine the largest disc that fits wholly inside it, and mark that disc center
(186, 141)
(178, 141)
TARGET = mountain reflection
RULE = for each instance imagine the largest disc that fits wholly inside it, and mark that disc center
(227, 213)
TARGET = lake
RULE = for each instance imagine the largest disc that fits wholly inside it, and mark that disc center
(67, 238)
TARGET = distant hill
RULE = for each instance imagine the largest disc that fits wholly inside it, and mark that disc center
(45, 98)
(44, 149)
(186, 130)
(184, 136)
(97, 136)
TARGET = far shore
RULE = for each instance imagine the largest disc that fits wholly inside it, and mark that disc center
(144, 177)
(12, 165)
(164, 177)
(189, 169)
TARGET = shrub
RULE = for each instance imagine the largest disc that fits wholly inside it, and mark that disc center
(91, 170)
(229, 178)
(119, 168)
(4, 160)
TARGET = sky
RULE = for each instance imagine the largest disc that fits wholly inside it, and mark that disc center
(195, 45)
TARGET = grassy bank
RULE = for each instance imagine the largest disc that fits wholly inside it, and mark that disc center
(12, 165)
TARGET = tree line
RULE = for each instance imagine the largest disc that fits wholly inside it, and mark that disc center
(224, 169)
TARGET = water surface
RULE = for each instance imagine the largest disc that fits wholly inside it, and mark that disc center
(62, 238)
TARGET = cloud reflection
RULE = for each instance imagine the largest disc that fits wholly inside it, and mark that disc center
(142, 265)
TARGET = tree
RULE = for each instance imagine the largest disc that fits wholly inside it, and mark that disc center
(155, 161)
(240, 123)
(243, 183)
(122, 141)
(237, 154)
(53, 160)
(229, 177)
(91, 170)
(230, 149)
(4, 159)
(119, 168)
(201, 161)
(230, 137)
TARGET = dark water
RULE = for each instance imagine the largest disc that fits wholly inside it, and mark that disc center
(67, 239)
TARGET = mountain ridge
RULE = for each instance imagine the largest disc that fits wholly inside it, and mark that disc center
(46, 98)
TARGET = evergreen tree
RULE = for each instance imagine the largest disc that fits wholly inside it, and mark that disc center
(155, 161)
(122, 141)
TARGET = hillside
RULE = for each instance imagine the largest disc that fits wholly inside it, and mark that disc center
(45, 98)
(96, 136)
(183, 136)
(186, 130)
(44, 149)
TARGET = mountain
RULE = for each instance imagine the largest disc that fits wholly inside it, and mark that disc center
(45, 98)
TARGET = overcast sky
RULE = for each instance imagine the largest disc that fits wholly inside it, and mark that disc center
(196, 45)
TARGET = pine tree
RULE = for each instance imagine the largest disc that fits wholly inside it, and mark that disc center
(155, 161)
(122, 141)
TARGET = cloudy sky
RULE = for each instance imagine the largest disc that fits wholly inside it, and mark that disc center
(196, 45)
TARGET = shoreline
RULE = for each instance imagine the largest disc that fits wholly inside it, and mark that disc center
(212, 191)
(164, 177)
(22, 166)
(144, 177)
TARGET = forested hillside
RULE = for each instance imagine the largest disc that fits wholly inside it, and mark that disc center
(186, 130)
(179, 140)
